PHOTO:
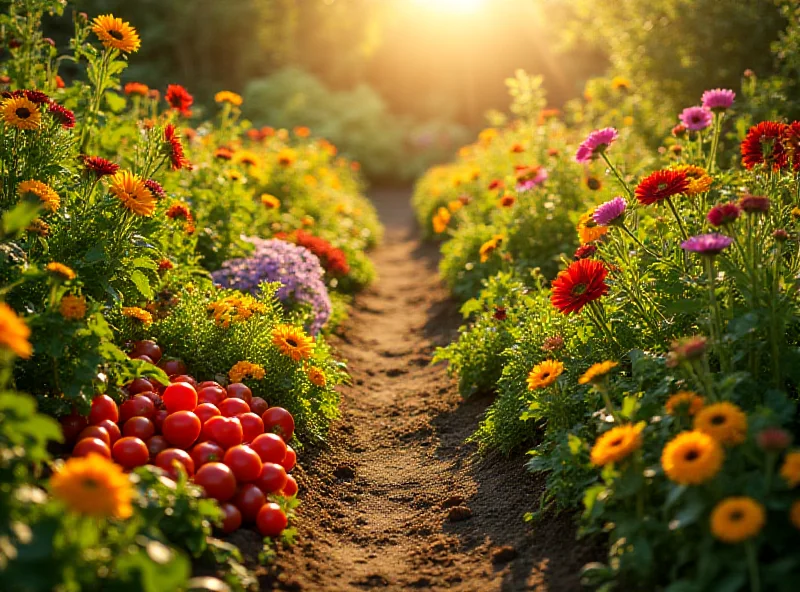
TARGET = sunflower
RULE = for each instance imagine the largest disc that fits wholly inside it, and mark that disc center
(616, 444)
(544, 374)
(699, 179)
(661, 185)
(441, 220)
(44, 192)
(736, 519)
(588, 230)
(597, 372)
(133, 193)
(794, 514)
(620, 83)
(581, 283)
(684, 402)
(139, 314)
(60, 271)
(247, 157)
(790, 470)
(725, 422)
(270, 201)
(691, 458)
(21, 113)
(93, 485)
(287, 157)
(226, 96)
(316, 376)
(115, 33)
(292, 342)
(244, 369)
(490, 247)
(72, 307)
(14, 333)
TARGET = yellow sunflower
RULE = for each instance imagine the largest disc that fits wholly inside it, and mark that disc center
(790, 470)
(93, 485)
(115, 33)
(616, 444)
(544, 374)
(588, 230)
(287, 157)
(736, 519)
(139, 314)
(292, 342)
(133, 193)
(247, 157)
(14, 333)
(441, 220)
(72, 307)
(620, 83)
(684, 402)
(226, 96)
(597, 372)
(21, 113)
(699, 179)
(794, 514)
(691, 458)
(317, 377)
(244, 369)
(490, 247)
(270, 201)
(44, 192)
(724, 422)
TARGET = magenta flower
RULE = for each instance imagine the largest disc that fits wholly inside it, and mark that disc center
(696, 118)
(718, 99)
(610, 212)
(595, 144)
(528, 184)
(707, 244)
(723, 214)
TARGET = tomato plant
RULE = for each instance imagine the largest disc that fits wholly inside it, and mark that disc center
(155, 445)
(112, 429)
(291, 487)
(233, 407)
(206, 452)
(237, 390)
(146, 348)
(94, 431)
(211, 393)
(231, 519)
(138, 406)
(252, 426)
(258, 406)
(140, 427)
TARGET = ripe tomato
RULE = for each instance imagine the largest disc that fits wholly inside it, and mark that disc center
(217, 480)
(244, 462)
(225, 431)
(181, 428)
(109, 426)
(270, 448)
(144, 358)
(146, 348)
(183, 378)
(233, 407)
(290, 460)
(279, 421)
(231, 519)
(213, 394)
(179, 396)
(89, 445)
(94, 431)
(206, 411)
(138, 406)
(237, 390)
(258, 405)
(158, 402)
(172, 367)
(103, 407)
(155, 445)
(205, 383)
(140, 427)
(206, 452)
(166, 459)
(130, 452)
(252, 426)
(249, 500)
(72, 425)
(271, 520)
(139, 385)
(272, 478)
(290, 488)
(159, 418)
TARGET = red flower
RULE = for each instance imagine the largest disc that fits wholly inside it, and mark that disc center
(100, 166)
(500, 313)
(496, 184)
(659, 185)
(333, 260)
(64, 115)
(165, 264)
(36, 96)
(791, 143)
(59, 82)
(578, 285)
(174, 148)
(585, 251)
(181, 210)
(763, 145)
(179, 98)
(155, 188)
(722, 214)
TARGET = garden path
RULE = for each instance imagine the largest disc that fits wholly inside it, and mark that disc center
(397, 500)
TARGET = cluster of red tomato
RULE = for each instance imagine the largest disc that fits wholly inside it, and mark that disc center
(227, 441)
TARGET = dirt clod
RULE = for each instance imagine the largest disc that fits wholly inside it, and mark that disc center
(503, 554)
(453, 500)
(344, 473)
(459, 514)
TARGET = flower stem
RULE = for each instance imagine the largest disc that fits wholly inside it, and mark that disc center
(752, 566)
(637, 241)
(712, 158)
(617, 175)
(716, 317)
(677, 218)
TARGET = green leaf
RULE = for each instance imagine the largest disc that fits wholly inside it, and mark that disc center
(19, 217)
(144, 263)
(142, 284)
(115, 103)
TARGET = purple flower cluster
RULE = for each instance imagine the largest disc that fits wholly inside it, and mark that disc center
(295, 267)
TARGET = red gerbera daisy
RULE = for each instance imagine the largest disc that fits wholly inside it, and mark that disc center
(155, 188)
(181, 210)
(585, 251)
(578, 285)
(791, 143)
(36, 96)
(659, 185)
(763, 145)
(62, 114)
(100, 167)
(174, 148)
(179, 98)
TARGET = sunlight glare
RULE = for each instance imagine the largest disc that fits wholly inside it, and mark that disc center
(462, 6)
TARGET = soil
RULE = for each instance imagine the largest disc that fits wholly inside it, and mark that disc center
(397, 500)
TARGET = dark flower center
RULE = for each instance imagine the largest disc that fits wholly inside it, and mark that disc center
(89, 483)
(292, 342)
(736, 516)
(617, 442)
(545, 376)
(116, 35)
(718, 420)
(23, 112)
(692, 455)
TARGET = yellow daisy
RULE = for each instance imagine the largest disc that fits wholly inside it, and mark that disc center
(597, 372)
(94, 485)
(544, 374)
(21, 113)
(44, 192)
(133, 193)
(292, 342)
(115, 33)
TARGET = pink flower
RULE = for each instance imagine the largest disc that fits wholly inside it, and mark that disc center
(723, 214)
(718, 99)
(707, 244)
(610, 212)
(537, 179)
(696, 118)
(596, 143)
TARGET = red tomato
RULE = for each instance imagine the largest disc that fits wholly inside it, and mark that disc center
(211, 394)
(72, 425)
(109, 426)
(291, 487)
(103, 407)
(94, 431)
(217, 480)
(179, 396)
(140, 427)
(166, 459)
(252, 426)
(279, 421)
(172, 367)
(231, 519)
(155, 445)
(205, 383)
(183, 378)
(249, 500)
(144, 358)
(270, 448)
(161, 415)
(272, 478)
(158, 402)
(181, 428)
(146, 348)
(290, 460)
(258, 405)
(271, 520)
(237, 390)
(233, 407)
(225, 431)
(206, 452)
(206, 411)
(130, 452)
(138, 406)
(244, 462)
(139, 385)
(89, 445)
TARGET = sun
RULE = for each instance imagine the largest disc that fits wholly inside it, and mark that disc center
(462, 6)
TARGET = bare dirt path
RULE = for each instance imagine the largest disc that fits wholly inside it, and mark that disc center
(397, 500)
